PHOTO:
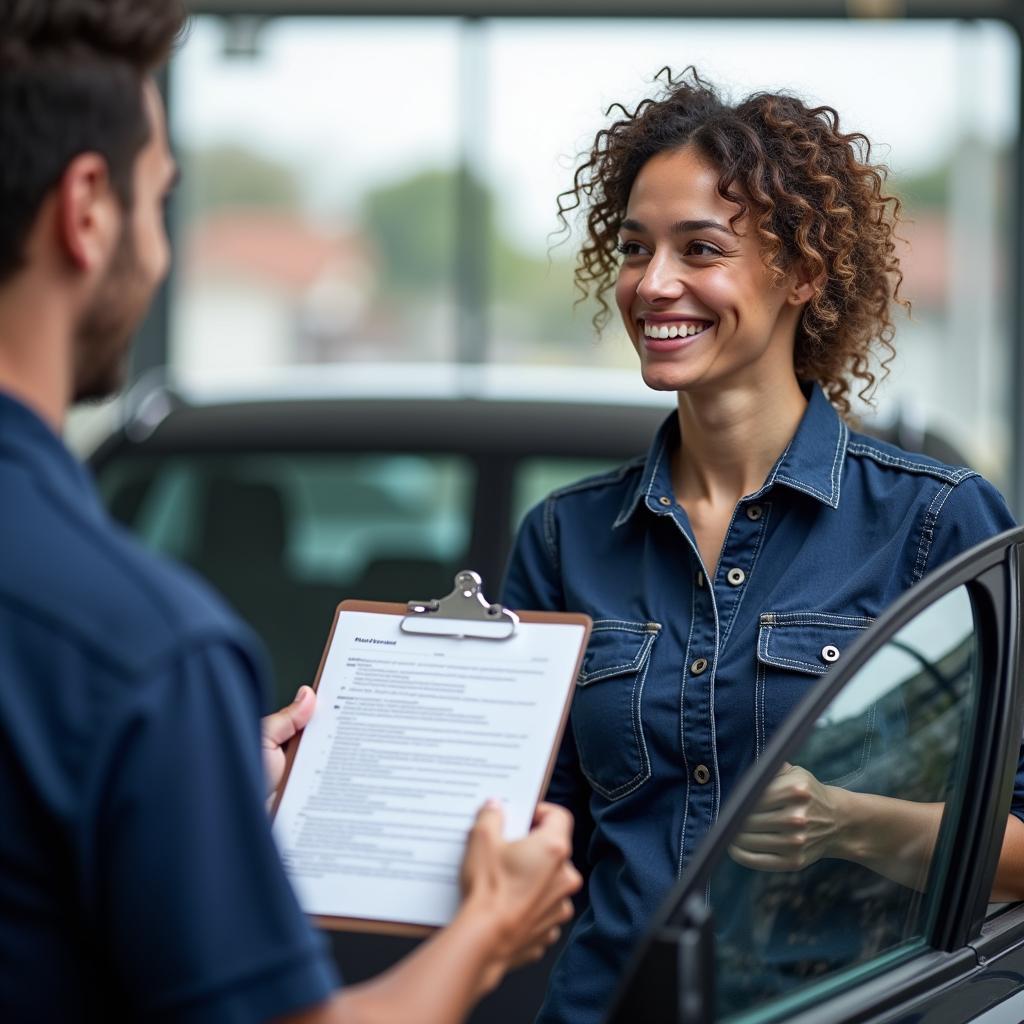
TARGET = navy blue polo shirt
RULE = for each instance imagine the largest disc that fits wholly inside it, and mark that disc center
(686, 676)
(138, 877)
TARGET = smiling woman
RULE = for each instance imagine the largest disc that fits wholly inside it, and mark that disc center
(751, 251)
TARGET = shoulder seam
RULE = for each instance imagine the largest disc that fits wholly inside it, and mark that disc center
(931, 517)
(948, 474)
(612, 476)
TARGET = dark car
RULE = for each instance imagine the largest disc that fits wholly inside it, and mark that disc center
(289, 506)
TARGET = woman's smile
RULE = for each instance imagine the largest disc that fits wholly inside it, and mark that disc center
(663, 333)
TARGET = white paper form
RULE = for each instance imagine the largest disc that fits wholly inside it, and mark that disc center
(411, 735)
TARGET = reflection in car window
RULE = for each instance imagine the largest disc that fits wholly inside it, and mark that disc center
(896, 732)
(286, 537)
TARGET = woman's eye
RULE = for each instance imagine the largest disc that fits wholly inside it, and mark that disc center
(630, 249)
(702, 249)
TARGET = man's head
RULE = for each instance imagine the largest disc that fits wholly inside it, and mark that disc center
(84, 166)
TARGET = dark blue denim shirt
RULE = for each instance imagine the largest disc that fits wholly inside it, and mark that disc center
(686, 677)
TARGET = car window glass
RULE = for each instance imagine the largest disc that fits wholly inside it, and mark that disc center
(285, 537)
(536, 478)
(882, 764)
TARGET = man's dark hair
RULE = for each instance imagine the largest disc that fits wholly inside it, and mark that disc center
(71, 74)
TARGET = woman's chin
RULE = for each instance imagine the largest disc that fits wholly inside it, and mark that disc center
(664, 378)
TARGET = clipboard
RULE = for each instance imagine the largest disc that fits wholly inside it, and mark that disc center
(463, 615)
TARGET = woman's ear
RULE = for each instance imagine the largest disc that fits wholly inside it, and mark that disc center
(805, 285)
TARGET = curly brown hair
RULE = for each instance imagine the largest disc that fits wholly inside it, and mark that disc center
(816, 201)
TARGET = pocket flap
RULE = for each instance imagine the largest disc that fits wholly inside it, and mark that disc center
(807, 641)
(616, 648)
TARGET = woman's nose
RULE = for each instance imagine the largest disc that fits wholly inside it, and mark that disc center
(662, 280)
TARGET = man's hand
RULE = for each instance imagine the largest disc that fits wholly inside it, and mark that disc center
(523, 887)
(279, 728)
(798, 821)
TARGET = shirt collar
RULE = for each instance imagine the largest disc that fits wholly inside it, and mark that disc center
(33, 445)
(811, 463)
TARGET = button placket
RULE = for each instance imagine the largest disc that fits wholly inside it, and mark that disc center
(736, 562)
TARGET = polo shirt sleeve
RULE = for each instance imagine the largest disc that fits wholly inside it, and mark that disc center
(533, 583)
(188, 891)
(974, 511)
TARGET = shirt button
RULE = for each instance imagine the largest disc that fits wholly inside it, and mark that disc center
(664, 501)
(754, 512)
(829, 653)
(735, 576)
(702, 774)
(700, 579)
(699, 666)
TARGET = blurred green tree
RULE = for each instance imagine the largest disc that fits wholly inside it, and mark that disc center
(233, 176)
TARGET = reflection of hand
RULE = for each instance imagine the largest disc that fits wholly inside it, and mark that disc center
(797, 822)
(279, 728)
(522, 888)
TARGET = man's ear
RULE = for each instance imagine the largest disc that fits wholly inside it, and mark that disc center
(88, 212)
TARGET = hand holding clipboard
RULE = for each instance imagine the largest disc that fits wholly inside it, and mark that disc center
(424, 712)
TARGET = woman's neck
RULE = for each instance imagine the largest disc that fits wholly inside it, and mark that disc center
(731, 440)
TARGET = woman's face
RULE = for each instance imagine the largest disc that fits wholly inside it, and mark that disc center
(697, 300)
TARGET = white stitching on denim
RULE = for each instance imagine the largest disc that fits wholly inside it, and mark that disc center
(758, 709)
(626, 625)
(819, 619)
(682, 730)
(711, 700)
(780, 662)
(645, 771)
(762, 529)
(550, 540)
(837, 463)
(586, 678)
(779, 463)
(931, 517)
(799, 485)
(947, 474)
(655, 468)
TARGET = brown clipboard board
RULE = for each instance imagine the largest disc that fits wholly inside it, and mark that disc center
(351, 924)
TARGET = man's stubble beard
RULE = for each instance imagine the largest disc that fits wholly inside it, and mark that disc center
(104, 334)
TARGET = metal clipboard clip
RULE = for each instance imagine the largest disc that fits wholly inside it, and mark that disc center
(465, 612)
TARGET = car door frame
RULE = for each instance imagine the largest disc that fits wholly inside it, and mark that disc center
(670, 976)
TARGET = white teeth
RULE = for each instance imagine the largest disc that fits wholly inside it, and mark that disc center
(671, 331)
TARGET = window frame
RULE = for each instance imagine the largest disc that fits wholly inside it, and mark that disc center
(670, 977)
(152, 352)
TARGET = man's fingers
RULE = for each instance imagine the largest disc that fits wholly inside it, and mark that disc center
(490, 820)
(555, 821)
(282, 725)
(551, 816)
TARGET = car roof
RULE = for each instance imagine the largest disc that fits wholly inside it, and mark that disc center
(369, 408)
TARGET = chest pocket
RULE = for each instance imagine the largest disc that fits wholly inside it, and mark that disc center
(794, 649)
(606, 719)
